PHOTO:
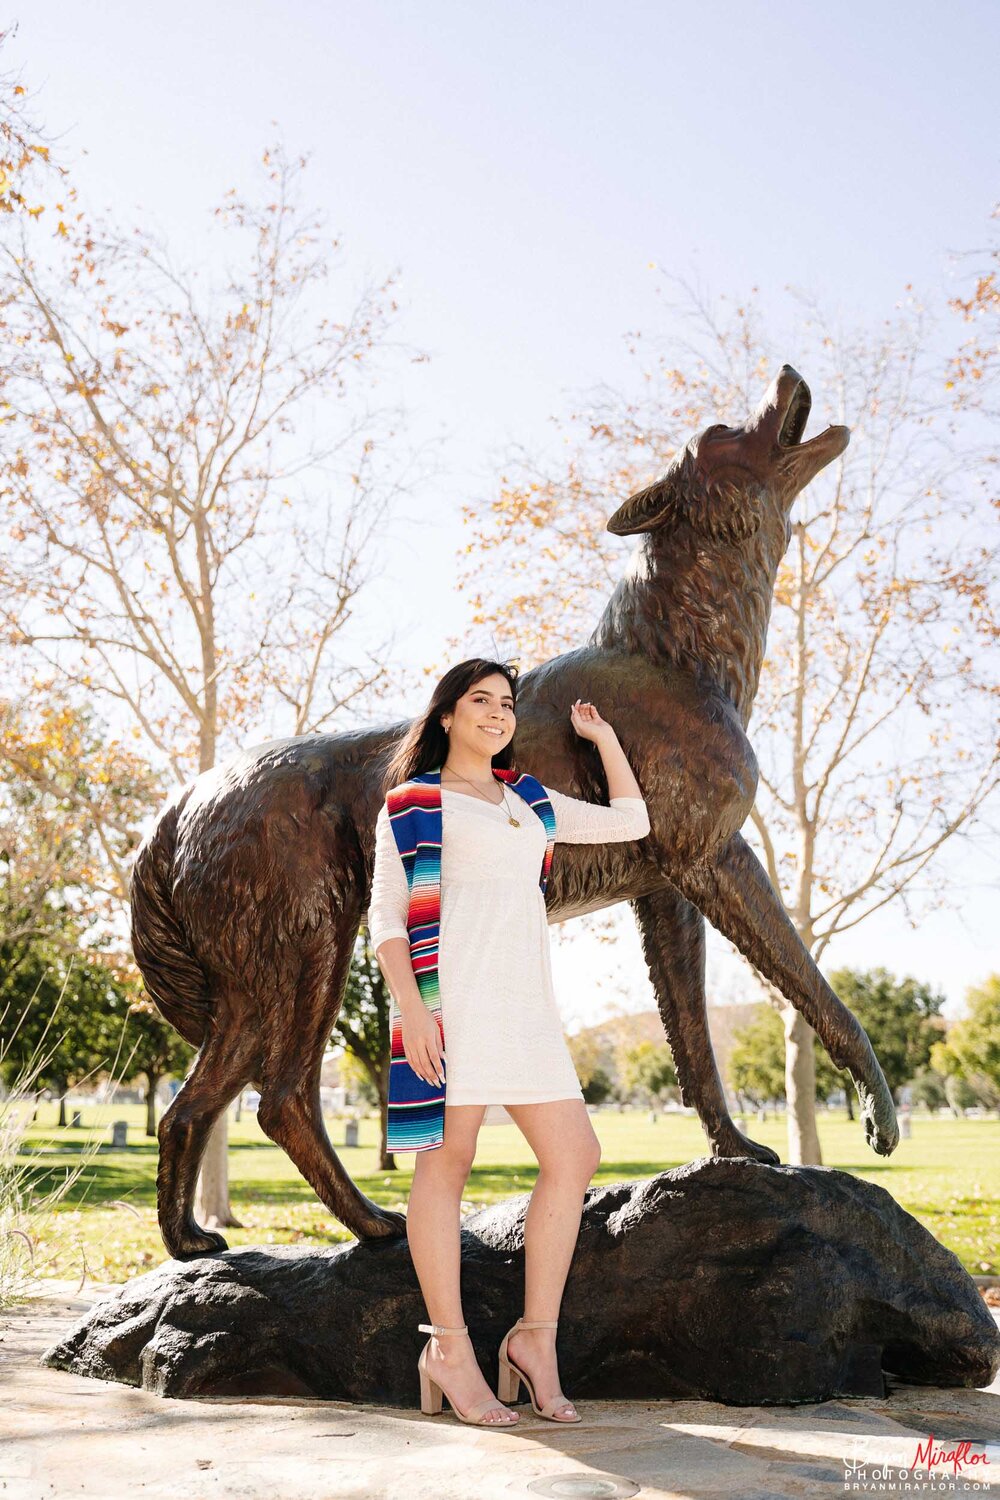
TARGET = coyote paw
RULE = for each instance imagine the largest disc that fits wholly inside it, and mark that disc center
(384, 1225)
(881, 1127)
(732, 1142)
(194, 1241)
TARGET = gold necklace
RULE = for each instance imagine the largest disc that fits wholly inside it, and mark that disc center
(514, 822)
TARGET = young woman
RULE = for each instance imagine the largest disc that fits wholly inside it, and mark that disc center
(488, 1014)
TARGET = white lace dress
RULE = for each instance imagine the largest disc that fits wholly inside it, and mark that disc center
(503, 1035)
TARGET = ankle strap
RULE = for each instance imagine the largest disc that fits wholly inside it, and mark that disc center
(543, 1324)
(440, 1328)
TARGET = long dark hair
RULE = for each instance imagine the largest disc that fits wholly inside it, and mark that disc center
(424, 747)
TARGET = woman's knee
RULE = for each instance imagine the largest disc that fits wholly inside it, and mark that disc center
(589, 1155)
(461, 1165)
(450, 1163)
(579, 1163)
(593, 1157)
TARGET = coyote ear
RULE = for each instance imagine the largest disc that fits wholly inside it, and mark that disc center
(657, 505)
(729, 507)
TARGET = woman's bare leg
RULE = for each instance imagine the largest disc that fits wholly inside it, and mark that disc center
(433, 1215)
(568, 1152)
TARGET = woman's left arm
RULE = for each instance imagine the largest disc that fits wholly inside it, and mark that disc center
(621, 780)
(579, 822)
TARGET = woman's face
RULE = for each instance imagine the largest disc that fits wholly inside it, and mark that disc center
(483, 721)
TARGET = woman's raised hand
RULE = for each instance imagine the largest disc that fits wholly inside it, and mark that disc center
(588, 723)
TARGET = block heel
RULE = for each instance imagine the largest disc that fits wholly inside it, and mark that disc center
(511, 1376)
(432, 1394)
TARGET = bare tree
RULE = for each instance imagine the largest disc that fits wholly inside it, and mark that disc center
(181, 552)
(873, 723)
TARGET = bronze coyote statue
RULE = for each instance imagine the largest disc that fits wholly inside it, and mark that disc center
(248, 895)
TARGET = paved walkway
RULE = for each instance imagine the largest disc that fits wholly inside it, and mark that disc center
(64, 1436)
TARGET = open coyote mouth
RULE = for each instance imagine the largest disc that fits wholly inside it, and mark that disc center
(796, 417)
(790, 399)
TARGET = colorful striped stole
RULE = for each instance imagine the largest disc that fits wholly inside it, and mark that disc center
(415, 1108)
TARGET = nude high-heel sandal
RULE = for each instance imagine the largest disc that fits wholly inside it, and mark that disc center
(511, 1376)
(431, 1392)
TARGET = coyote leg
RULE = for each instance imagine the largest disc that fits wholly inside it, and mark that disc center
(736, 896)
(673, 941)
(223, 1066)
(290, 1111)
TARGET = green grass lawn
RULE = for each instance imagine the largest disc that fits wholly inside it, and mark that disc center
(947, 1175)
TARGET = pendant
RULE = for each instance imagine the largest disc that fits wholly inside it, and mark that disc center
(513, 822)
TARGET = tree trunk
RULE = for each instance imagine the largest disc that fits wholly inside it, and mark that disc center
(211, 1208)
(386, 1159)
(152, 1079)
(379, 1076)
(850, 1099)
(800, 1089)
(62, 1106)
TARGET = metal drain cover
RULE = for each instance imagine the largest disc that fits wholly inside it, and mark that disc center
(584, 1487)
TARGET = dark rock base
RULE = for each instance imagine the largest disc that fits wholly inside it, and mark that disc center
(724, 1280)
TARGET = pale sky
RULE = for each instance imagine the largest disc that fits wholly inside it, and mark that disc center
(524, 166)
